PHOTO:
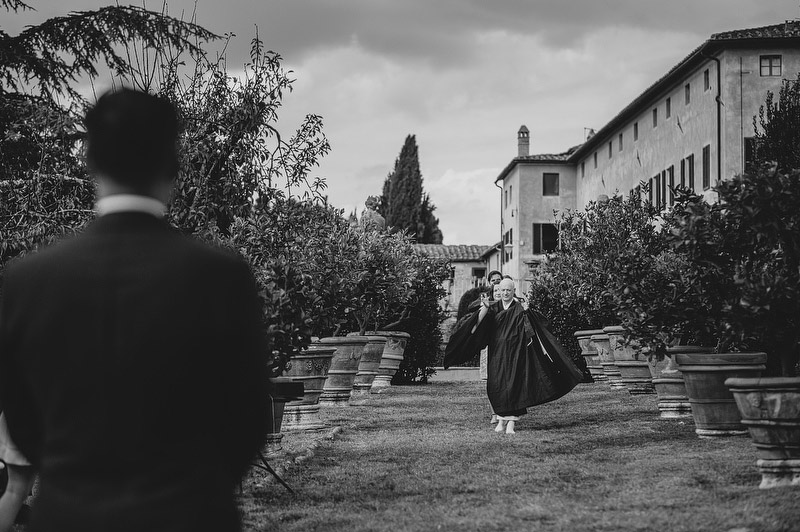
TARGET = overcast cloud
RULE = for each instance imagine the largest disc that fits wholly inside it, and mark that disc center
(462, 75)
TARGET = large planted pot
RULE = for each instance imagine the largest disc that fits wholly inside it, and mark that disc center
(590, 354)
(310, 368)
(669, 385)
(284, 390)
(602, 343)
(713, 406)
(370, 362)
(392, 357)
(634, 371)
(770, 409)
(343, 367)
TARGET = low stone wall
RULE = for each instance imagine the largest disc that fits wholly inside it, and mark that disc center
(456, 375)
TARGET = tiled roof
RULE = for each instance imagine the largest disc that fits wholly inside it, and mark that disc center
(790, 28)
(455, 253)
(763, 35)
(492, 249)
(557, 158)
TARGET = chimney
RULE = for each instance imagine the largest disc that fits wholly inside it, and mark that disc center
(523, 142)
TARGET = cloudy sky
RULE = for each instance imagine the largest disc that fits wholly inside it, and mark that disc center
(461, 75)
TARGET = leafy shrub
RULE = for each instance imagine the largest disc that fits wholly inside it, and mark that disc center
(744, 254)
(601, 248)
(424, 317)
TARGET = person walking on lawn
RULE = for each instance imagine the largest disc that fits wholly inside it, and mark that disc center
(131, 357)
(526, 367)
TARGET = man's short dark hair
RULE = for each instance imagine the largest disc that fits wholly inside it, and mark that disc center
(131, 138)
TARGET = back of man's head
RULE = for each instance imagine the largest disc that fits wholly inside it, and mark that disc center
(131, 138)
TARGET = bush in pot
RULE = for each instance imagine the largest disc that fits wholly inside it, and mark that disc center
(559, 293)
(764, 203)
(421, 318)
(739, 257)
(577, 286)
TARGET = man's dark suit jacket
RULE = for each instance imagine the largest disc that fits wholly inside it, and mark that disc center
(132, 376)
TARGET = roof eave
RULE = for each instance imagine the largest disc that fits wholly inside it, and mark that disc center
(703, 52)
(633, 108)
(522, 160)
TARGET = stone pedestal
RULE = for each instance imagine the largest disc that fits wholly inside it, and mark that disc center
(391, 359)
(369, 364)
(779, 473)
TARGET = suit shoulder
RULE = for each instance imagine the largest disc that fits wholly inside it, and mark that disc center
(211, 261)
(43, 258)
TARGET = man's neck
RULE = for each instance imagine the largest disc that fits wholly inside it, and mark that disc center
(158, 189)
(129, 203)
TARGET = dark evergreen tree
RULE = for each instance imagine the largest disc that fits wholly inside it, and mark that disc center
(403, 202)
(428, 231)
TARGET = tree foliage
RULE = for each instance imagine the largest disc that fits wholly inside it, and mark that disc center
(242, 183)
(744, 254)
(404, 204)
(600, 248)
(777, 128)
(425, 314)
(53, 55)
(231, 151)
(43, 181)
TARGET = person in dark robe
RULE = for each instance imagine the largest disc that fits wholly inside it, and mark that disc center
(527, 366)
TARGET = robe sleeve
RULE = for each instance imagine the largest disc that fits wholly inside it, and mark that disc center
(570, 374)
(464, 344)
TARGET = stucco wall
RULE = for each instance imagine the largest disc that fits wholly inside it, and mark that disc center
(528, 206)
(744, 91)
(688, 128)
(462, 281)
(686, 131)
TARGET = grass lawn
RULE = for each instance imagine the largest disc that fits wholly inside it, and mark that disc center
(426, 458)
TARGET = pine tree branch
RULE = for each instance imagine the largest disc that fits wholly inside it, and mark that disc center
(15, 5)
(39, 54)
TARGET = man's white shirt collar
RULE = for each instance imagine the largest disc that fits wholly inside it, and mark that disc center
(129, 203)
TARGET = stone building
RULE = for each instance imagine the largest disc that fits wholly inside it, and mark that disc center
(693, 126)
(468, 269)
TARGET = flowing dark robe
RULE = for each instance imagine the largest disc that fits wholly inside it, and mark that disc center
(527, 365)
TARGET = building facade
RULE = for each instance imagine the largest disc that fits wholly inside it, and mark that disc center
(469, 269)
(692, 127)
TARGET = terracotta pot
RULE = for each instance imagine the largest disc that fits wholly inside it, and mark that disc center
(669, 385)
(634, 370)
(343, 368)
(370, 362)
(310, 368)
(601, 344)
(391, 358)
(284, 389)
(590, 354)
(770, 409)
(608, 361)
(713, 406)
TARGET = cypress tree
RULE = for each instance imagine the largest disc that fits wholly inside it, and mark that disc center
(403, 202)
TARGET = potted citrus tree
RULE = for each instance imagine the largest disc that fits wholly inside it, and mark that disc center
(765, 202)
(765, 207)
